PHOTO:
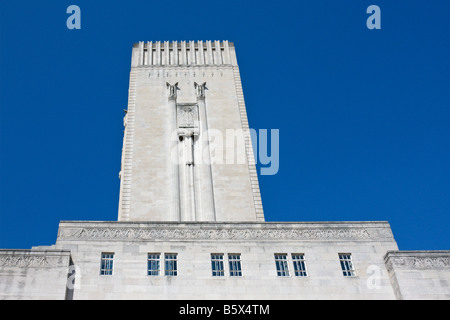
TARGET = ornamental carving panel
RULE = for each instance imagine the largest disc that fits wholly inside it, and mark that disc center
(187, 116)
(205, 233)
(419, 262)
(25, 261)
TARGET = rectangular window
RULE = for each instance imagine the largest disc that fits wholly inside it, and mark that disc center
(217, 265)
(153, 264)
(282, 265)
(106, 264)
(299, 264)
(234, 261)
(170, 264)
(347, 267)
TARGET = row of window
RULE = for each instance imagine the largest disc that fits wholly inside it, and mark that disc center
(234, 264)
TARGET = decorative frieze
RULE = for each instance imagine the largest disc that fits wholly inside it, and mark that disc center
(23, 261)
(417, 260)
(30, 259)
(431, 263)
(221, 232)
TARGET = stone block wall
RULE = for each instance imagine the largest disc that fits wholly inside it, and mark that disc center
(34, 274)
(256, 243)
(419, 274)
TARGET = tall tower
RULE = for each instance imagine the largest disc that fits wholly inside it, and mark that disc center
(187, 152)
(191, 224)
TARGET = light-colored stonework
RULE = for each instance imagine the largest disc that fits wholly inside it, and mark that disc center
(164, 77)
(299, 231)
(257, 243)
(419, 274)
(34, 274)
(179, 93)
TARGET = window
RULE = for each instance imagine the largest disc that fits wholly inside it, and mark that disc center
(217, 265)
(170, 263)
(234, 261)
(106, 264)
(299, 264)
(347, 267)
(153, 264)
(282, 265)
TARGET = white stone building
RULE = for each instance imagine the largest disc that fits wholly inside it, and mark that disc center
(191, 222)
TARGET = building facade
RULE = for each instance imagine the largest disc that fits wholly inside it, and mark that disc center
(190, 220)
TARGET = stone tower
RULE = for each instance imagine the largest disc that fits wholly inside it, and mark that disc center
(187, 152)
(191, 224)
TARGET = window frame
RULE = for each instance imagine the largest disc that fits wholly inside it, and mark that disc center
(347, 265)
(282, 265)
(107, 263)
(171, 264)
(217, 265)
(299, 263)
(152, 259)
(235, 265)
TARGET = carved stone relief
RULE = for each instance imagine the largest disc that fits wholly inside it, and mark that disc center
(27, 261)
(212, 233)
(187, 116)
(419, 263)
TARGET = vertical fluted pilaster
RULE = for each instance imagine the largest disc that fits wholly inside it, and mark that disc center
(226, 53)
(192, 52)
(209, 54)
(183, 53)
(158, 53)
(175, 53)
(174, 168)
(200, 55)
(166, 56)
(141, 53)
(204, 168)
(218, 53)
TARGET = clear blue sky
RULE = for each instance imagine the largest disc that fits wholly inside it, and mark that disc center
(364, 115)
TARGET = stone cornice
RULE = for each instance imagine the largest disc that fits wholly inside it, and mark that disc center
(121, 231)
